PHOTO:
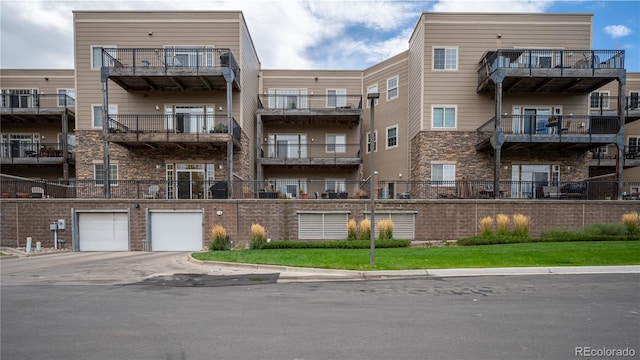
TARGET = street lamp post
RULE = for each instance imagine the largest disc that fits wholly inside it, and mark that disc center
(372, 97)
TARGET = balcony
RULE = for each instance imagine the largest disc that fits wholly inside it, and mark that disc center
(170, 69)
(23, 153)
(558, 132)
(550, 70)
(36, 108)
(608, 160)
(310, 109)
(299, 155)
(179, 129)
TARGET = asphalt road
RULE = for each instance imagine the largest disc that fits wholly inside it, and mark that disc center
(209, 315)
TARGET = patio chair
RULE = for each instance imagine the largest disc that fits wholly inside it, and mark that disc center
(152, 192)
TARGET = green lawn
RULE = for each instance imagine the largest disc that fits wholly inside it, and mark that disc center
(508, 255)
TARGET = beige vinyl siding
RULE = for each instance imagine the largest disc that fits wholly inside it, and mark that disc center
(473, 35)
(633, 84)
(389, 161)
(416, 84)
(131, 30)
(36, 79)
(306, 79)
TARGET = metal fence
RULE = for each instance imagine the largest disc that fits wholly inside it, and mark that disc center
(25, 99)
(318, 189)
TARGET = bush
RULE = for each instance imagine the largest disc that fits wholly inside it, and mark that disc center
(220, 241)
(352, 230)
(365, 229)
(357, 244)
(520, 225)
(486, 226)
(385, 229)
(258, 238)
(503, 224)
(605, 229)
(631, 221)
(493, 240)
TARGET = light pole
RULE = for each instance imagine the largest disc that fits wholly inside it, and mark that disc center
(372, 97)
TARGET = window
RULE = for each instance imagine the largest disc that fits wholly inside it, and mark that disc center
(98, 174)
(336, 185)
(66, 97)
(97, 114)
(336, 97)
(375, 141)
(392, 137)
(445, 58)
(444, 117)
(19, 98)
(443, 174)
(192, 56)
(392, 88)
(336, 143)
(96, 55)
(633, 100)
(633, 145)
(599, 100)
(370, 90)
(287, 98)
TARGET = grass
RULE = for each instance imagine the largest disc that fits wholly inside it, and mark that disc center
(505, 255)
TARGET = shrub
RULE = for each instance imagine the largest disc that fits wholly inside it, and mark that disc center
(365, 229)
(520, 225)
(352, 230)
(219, 242)
(605, 229)
(357, 244)
(258, 239)
(486, 225)
(503, 224)
(385, 229)
(631, 221)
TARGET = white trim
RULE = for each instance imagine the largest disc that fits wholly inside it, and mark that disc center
(608, 97)
(445, 48)
(445, 106)
(91, 47)
(375, 101)
(375, 142)
(113, 106)
(386, 143)
(397, 88)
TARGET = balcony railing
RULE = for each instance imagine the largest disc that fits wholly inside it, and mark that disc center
(558, 125)
(35, 150)
(192, 58)
(20, 103)
(532, 59)
(309, 153)
(302, 102)
(174, 124)
(320, 189)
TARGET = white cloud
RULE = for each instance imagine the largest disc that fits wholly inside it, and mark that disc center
(492, 6)
(616, 31)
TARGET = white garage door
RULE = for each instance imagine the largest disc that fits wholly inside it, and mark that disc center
(102, 231)
(176, 231)
(322, 225)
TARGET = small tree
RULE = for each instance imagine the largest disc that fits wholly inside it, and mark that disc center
(219, 242)
(258, 239)
(352, 230)
(365, 229)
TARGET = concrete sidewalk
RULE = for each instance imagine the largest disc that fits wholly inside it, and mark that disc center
(289, 273)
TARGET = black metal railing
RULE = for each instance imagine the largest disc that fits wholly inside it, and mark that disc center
(174, 123)
(310, 152)
(196, 58)
(36, 102)
(551, 125)
(549, 59)
(302, 101)
(32, 150)
(320, 189)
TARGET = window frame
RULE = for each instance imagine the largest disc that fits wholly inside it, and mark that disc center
(92, 61)
(369, 88)
(444, 107)
(444, 64)
(66, 93)
(605, 105)
(93, 121)
(396, 88)
(375, 141)
(100, 181)
(338, 148)
(388, 146)
(444, 181)
(637, 96)
(339, 97)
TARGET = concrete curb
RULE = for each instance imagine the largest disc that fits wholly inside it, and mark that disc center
(296, 273)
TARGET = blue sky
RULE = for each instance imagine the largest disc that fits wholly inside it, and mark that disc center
(301, 34)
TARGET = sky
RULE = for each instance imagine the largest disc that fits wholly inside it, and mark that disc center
(301, 34)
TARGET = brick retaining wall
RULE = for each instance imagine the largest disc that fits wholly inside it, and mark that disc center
(435, 219)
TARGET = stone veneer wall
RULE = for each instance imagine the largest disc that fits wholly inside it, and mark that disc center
(459, 147)
(435, 219)
(149, 164)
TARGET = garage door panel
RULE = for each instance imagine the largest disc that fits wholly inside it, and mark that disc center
(103, 231)
(176, 231)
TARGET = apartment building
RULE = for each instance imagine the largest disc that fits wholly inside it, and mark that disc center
(38, 119)
(168, 96)
(482, 97)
